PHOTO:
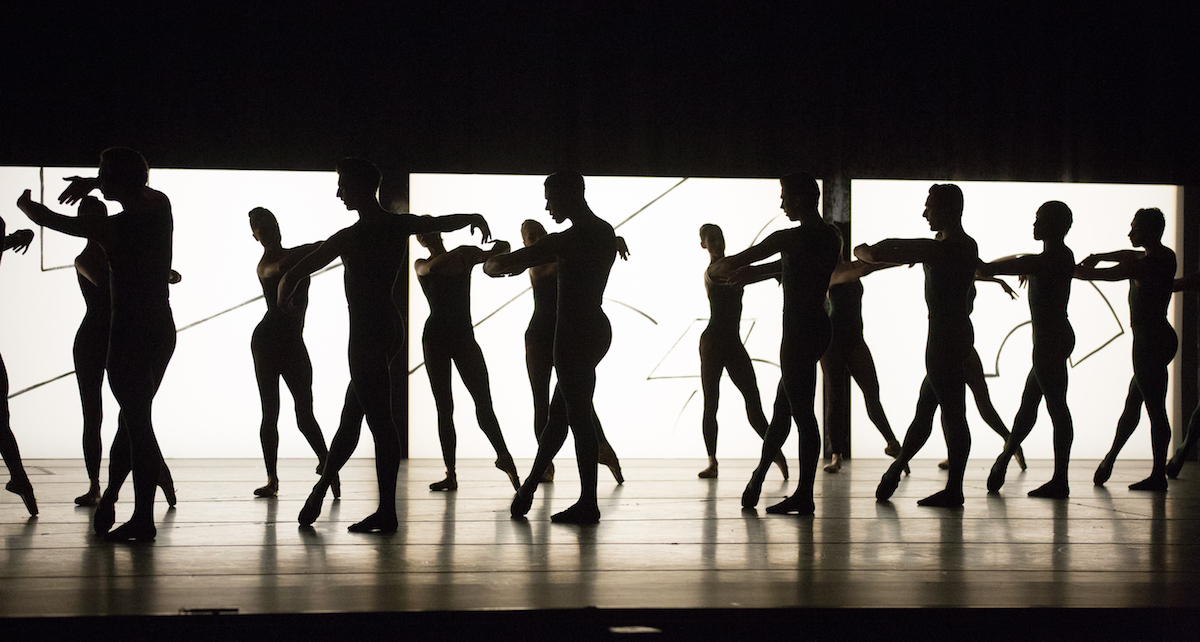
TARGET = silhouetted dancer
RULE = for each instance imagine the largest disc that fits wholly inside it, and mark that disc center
(372, 252)
(18, 480)
(1049, 276)
(539, 348)
(585, 253)
(949, 264)
(721, 349)
(848, 354)
(445, 278)
(279, 351)
(1189, 283)
(1151, 274)
(808, 253)
(137, 243)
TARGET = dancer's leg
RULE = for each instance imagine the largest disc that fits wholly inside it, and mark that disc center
(948, 379)
(297, 373)
(18, 480)
(577, 390)
(837, 401)
(549, 443)
(1150, 370)
(741, 372)
(1126, 424)
(472, 368)
(345, 440)
(266, 373)
(90, 352)
(914, 439)
(437, 366)
(1031, 400)
(862, 368)
(777, 434)
(800, 383)
(712, 362)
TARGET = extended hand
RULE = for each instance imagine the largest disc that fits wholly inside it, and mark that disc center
(480, 224)
(78, 188)
(1091, 261)
(622, 248)
(21, 240)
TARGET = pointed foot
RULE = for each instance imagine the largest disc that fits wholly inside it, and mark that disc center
(336, 487)
(105, 516)
(945, 499)
(796, 504)
(888, 483)
(1020, 456)
(1176, 464)
(781, 463)
(1052, 489)
(1103, 472)
(312, 508)
(578, 514)
(752, 492)
(521, 504)
(548, 476)
(167, 484)
(25, 491)
(509, 469)
(995, 478)
(610, 460)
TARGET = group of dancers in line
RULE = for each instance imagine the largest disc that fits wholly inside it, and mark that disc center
(128, 331)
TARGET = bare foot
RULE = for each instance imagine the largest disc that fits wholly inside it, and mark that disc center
(270, 490)
(1176, 464)
(578, 514)
(548, 476)
(1153, 483)
(609, 458)
(449, 483)
(521, 503)
(1052, 489)
(26, 492)
(509, 469)
(888, 483)
(832, 467)
(91, 497)
(130, 532)
(944, 499)
(1103, 472)
(375, 523)
(710, 472)
(781, 463)
(794, 504)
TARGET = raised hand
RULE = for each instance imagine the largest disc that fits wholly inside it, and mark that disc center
(480, 224)
(19, 241)
(78, 188)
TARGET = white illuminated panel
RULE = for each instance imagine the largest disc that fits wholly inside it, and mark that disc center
(648, 393)
(1000, 218)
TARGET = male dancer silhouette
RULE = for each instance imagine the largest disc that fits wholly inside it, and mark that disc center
(950, 262)
(18, 480)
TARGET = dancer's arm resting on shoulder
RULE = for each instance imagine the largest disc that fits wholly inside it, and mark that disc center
(545, 250)
(899, 251)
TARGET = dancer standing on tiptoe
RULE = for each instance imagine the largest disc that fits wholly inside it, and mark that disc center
(372, 252)
(721, 349)
(138, 245)
(950, 261)
(1151, 274)
(809, 253)
(279, 351)
(539, 348)
(18, 480)
(445, 278)
(585, 253)
(1049, 275)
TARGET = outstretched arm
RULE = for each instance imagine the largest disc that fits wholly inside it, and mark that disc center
(458, 260)
(750, 274)
(18, 241)
(323, 255)
(449, 223)
(1021, 264)
(96, 229)
(766, 248)
(78, 188)
(847, 271)
(898, 251)
(1188, 283)
(1001, 282)
(1123, 270)
(295, 254)
(545, 250)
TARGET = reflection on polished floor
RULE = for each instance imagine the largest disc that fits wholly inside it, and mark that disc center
(667, 541)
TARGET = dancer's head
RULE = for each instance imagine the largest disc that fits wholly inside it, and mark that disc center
(358, 183)
(123, 172)
(1147, 227)
(265, 227)
(712, 239)
(1052, 221)
(944, 207)
(531, 232)
(92, 207)
(799, 195)
(564, 195)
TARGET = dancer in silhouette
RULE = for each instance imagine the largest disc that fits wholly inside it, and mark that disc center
(445, 278)
(950, 262)
(721, 349)
(539, 348)
(373, 252)
(1049, 276)
(1189, 283)
(585, 253)
(137, 243)
(809, 253)
(279, 351)
(18, 480)
(1151, 274)
(848, 354)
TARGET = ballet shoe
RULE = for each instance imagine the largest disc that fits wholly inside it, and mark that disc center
(577, 514)
(1103, 472)
(832, 467)
(521, 504)
(944, 464)
(1153, 483)
(104, 517)
(89, 498)
(781, 463)
(270, 490)
(708, 473)
(794, 504)
(548, 476)
(751, 494)
(26, 493)
(336, 487)
(610, 460)
(167, 484)
(131, 532)
(1051, 490)
(447, 484)
(510, 469)
(893, 451)
(312, 508)
(375, 524)
(996, 477)
(887, 484)
(1176, 464)
(1020, 456)
(944, 499)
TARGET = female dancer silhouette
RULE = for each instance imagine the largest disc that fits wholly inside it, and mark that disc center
(809, 253)
(950, 261)
(279, 351)
(445, 278)
(373, 252)
(18, 480)
(539, 348)
(1049, 275)
(1189, 283)
(91, 353)
(585, 253)
(137, 243)
(1151, 275)
(721, 349)
(848, 353)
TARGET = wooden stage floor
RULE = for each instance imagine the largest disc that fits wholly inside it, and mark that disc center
(667, 541)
